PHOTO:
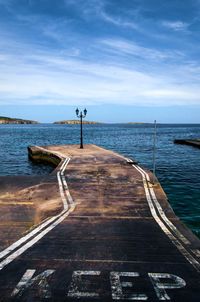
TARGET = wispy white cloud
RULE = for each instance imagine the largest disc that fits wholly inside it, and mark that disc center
(179, 94)
(87, 8)
(46, 78)
(55, 30)
(91, 9)
(176, 25)
(76, 68)
(134, 49)
(118, 21)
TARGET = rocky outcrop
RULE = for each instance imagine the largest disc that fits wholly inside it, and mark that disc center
(74, 122)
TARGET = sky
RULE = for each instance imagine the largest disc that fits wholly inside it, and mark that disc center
(124, 60)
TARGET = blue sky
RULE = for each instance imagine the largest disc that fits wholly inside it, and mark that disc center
(125, 60)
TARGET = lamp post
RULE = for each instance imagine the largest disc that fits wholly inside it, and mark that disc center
(81, 116)
(154, 151)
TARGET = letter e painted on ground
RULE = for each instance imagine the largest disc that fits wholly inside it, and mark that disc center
(77, 282)
(117, 286)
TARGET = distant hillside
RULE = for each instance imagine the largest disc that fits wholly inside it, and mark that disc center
(74, 122)
(8, 120)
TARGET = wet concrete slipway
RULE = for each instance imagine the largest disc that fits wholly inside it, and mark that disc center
(99, 228)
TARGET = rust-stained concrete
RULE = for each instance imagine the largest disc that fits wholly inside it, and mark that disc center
(108, 244)
(25, 201)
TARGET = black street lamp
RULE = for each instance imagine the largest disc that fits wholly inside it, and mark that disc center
(81, 116)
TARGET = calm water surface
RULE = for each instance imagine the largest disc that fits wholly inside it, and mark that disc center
(177, 166)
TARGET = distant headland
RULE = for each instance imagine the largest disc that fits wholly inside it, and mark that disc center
(74, 122)
(9, 120)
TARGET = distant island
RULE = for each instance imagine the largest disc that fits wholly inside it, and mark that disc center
(8, 120)
(74, 122)
(138, 123)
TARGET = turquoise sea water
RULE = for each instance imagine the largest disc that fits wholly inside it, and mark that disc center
(177, 166)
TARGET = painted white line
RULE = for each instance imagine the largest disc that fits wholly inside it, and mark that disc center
(65, 205)
(128, 160)
(50, 224)
(63, 184)
(30, 243)
(35, 231)
(196, 252)
(66, 190)
(173, 239)
(65, 163)
(26, 237)
(161, 212)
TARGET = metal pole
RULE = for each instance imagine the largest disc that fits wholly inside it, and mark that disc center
(154, 149)
(81, 144)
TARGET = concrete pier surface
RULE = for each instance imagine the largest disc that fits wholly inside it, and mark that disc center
(191, 142)
(99, 228)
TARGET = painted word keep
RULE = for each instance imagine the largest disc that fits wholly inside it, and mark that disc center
(121, 285)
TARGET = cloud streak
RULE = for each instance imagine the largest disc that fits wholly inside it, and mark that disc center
(131, 48)
(118, 21)
(44, 78)
(176, 25)
(90, 56)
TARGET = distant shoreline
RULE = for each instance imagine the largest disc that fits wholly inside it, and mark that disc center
(8, 120)
(75, 122)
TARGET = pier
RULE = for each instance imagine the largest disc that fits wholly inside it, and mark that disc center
(190, 142)
(99, 228)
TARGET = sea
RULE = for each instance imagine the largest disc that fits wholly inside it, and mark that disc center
(177, 166)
